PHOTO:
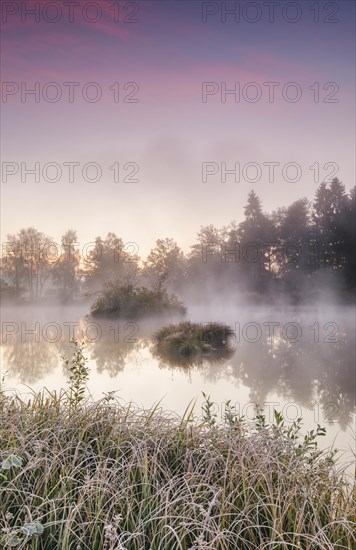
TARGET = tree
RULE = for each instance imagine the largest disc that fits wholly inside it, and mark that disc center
(27, 262)
(345, 231)
(337, 199)
(299, 255)
(165, 264)
(205, 263)
(12, 269)
(350, 244)
(328, 215)
(109, 260)
(253, 209)
(66, 269)
(256, 235)
(322, 208)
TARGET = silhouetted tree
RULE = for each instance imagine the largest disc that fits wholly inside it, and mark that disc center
(345, 230)
(12, 269)
(205, 267)
(256, 235)
(263, 252)
(165, 264)
(109, 260)
(65, 271)
(27, 262)
(298, 253)
(329, 207)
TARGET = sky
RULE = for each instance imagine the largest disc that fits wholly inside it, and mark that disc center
(130, 130)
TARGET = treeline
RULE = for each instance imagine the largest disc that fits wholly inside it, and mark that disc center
(297, 249)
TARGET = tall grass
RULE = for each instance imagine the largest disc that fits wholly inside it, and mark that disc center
(101, 475)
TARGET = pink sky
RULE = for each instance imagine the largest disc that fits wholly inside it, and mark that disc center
(169, 133)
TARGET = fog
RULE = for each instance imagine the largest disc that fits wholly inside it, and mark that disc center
(282, 281)
(303, 353)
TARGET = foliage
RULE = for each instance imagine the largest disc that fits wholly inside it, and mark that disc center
(119, 477)
(164, 264)
(303, 245)
(110, 260)
(26, 263)
(127, 302)
(79, 374)
(186, 340)
(66, 269)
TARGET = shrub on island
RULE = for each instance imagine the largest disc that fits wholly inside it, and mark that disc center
(188, 340)
(129, 302)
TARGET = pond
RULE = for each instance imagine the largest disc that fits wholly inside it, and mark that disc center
(300, 361)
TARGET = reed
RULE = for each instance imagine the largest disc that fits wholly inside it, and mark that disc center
(79, 474)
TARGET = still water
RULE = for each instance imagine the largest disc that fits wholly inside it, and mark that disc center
(300, 361)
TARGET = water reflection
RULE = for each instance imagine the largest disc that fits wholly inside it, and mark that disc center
(301, 373)
(186, 364)
(304, 371)
(31, 361)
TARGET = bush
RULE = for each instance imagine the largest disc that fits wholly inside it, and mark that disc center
(129, 302)
(186, 341)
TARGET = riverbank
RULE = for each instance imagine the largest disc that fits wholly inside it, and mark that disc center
(78, 474)
(81, 474)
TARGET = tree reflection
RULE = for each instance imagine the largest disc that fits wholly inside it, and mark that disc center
(305, 372)
(31, 360)
(115, 348)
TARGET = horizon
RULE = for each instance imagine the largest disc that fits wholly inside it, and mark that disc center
(142, 257)
(175, 64)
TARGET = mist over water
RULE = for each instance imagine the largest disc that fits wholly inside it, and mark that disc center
(297, 359)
